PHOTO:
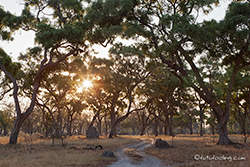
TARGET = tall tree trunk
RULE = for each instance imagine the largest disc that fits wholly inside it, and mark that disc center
(222, 128)
(113, 126)
(16, 129)
(93, 120)
(165, 128)
(22, 116)
(70, 125)
(156, 126)
(171, 122)
(201, 107)
(223, 119)
(201, 123)
(5, 132)
(112, 131)
(190, 126)
(143, 130)
(99, 125)
(106, 123)
(68, 128)
(212, 129)
(223, 136)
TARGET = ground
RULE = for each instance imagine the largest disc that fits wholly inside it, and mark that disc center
(185, 151)
(195, 151)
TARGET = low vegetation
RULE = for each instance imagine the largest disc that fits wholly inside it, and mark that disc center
(34, 151)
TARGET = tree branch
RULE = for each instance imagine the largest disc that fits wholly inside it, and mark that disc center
(15, 91)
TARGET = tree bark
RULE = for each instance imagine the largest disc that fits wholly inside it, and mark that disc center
(171, 122)
(143, 130)
(223, 135)
(113, 124)
(190, 126)
(201, 123)
(156, 126)
(16, 129)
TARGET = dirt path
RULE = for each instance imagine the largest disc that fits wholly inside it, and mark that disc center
(133, 156)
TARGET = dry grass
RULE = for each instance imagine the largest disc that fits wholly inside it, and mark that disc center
(34, 151)
(187, 148)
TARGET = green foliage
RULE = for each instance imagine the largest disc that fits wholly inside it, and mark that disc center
(12, 67)
(104, 19)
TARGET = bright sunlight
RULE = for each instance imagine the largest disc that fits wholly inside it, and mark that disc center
(86, 84)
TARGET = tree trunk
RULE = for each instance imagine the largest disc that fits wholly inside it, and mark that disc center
(5, 132)
(171, 123)
(190, 126)
(112, 132)
(93, 120)
(222, 127)
(14, 135)
(156, 127)
(212, 129)
(99, 125)
(165, 128)
(201, 123)
(143, 130)
(166, 123)
(16, 129)
(223, 136)
(106, 123)
(70, 126)
(113, 126)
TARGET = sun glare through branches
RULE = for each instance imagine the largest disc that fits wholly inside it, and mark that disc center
(86, 84)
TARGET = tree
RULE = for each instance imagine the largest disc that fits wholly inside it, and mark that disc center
(234, 52)
(59, 96)
(57, 37)
(5, 120)
(129, 67)
(168, 31)
(144, 119)
(96, 97)
(241, 102)
(202, 116)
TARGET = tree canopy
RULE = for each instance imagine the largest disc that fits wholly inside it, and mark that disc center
(162, 63)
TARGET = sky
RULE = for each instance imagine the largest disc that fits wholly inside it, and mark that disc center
(23, 40)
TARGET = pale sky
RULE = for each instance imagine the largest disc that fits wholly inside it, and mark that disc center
(22, 39)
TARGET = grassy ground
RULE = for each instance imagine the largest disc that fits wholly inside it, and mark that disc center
(40, 152)
(33, 151)
(195, 151)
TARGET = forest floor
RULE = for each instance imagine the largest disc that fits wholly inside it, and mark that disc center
(185, 151)
(197, 151)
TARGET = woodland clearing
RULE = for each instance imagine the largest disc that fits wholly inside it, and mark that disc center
(185, 151)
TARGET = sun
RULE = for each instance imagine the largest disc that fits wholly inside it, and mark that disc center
(86, 84)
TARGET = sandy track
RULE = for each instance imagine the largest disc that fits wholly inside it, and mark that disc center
(133, 156)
